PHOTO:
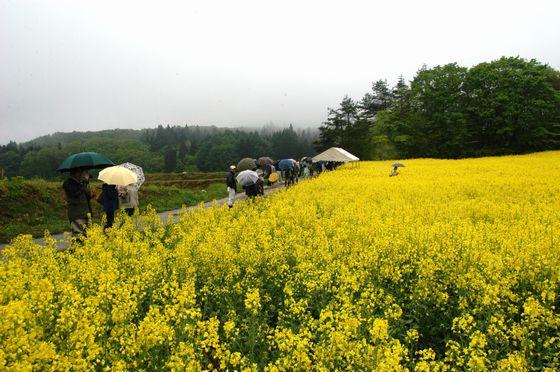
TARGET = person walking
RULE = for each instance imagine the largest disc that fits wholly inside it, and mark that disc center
(296, 172)
(128, 198)
(251, 190)
(260, 182)
(306, 171)
(78, 196)
(110, 203)
(288, 175)
(231, 183)
(278, 172)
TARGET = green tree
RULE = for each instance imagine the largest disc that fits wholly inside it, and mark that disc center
(182, 155)
(10, 163)
(251, 145)
(170, 159)
(183, 151)
(505, 106)
(285, 144)
(42, 163)
(337, 129)
(513, 106)
(217, 152)
(378, 99)
(439, 94)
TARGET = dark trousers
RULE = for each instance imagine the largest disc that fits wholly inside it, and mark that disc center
(110, 219)
(251, 190)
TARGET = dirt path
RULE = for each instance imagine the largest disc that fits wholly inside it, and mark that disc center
(62, 241)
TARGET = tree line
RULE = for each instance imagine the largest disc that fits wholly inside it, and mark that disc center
(506, 106)
(161, 149)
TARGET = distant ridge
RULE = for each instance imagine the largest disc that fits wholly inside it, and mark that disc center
(66, 137)
(136, 134)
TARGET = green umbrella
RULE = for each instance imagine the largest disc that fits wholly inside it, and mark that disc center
(85, 160)
(246, 164)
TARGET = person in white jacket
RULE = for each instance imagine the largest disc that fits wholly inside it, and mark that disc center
(128, 198)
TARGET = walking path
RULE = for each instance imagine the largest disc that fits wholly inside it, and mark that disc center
(62, 239)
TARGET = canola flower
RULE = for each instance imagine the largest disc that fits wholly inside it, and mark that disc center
(452, 265)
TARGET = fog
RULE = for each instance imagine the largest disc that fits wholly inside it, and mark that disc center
(77, 65)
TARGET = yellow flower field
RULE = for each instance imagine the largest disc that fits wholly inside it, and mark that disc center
(454, 264)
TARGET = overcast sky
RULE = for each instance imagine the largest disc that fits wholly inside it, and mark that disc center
(90, 65)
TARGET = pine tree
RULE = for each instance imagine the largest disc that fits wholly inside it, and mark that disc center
(378, 99)
(183, 151)
(170, 159)
(335, 131)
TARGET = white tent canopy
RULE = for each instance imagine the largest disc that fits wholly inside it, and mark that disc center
(336, 154)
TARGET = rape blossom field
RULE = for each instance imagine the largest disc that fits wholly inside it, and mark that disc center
(453, 264)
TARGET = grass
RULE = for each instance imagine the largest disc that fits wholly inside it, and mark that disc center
(191, 180)
(33, 206)
(172, 197)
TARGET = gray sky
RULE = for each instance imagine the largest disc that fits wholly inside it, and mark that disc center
(91, 65)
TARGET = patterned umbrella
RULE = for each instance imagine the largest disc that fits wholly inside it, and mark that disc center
(139, 173)
(247, 177)
(398, 165)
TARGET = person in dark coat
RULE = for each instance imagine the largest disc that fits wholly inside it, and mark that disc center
(288, 175)
(78, 198)
(110, 203)
(251, 190)
(231, 184)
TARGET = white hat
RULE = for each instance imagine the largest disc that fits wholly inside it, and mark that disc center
(232, 167)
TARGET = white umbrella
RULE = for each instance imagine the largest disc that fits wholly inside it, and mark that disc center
(139, 173)
(247, 177)
(117, 175)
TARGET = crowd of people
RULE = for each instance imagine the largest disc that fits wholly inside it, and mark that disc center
(287, 172)
(79, 195)
(114, 198)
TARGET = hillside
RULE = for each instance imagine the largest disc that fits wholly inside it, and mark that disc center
(162, 149)
(451, 265)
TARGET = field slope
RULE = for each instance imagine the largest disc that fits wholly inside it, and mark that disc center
(452, 264)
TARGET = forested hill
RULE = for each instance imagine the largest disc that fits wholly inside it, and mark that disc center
(161, 149)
